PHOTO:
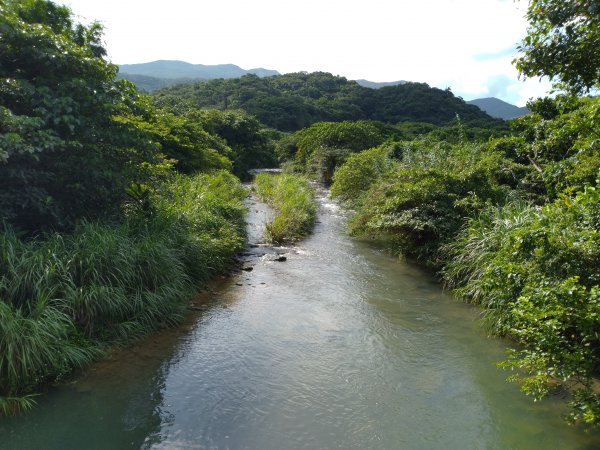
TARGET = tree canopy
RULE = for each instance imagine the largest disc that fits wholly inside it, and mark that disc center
(64, 154)
(297, 100)
(563, 43)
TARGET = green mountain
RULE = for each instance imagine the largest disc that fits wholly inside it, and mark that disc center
(499, 108)
(296, 100)
(180, 69)
(150, 84)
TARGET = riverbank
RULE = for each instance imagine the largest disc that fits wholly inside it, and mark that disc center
(67, 298)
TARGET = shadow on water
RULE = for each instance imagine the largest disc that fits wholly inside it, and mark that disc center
(328, 344)
(116, 403)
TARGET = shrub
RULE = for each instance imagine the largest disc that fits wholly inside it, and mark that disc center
(325, 145)
(354, 178)
(536, 271)
(423, 202)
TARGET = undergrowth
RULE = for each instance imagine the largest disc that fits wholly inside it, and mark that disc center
(65, 297)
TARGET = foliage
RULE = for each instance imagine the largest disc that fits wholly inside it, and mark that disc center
(536, 271)
(563, 43)
(293, 198)
(323, 146)
(63, 297)
(181, 138)
(64, 156)
(561, 140)
(211, 135)
(249, 141)
(10, 406)
(422, 202)
(354, 178)
(297, 100)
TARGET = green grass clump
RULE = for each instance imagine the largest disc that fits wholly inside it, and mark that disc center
(294, 199)
(65, 297)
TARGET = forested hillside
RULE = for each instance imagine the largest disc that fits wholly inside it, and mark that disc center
(148, 84)
(293, 101)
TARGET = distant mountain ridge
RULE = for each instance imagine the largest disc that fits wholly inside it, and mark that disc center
(379, 85)
(499, 108)
(167, 69)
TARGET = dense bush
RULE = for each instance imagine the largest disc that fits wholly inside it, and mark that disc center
(323, 146)
(423, 200)
(293, 198)
(249, 141)
(64, 155)
(353, 179)
(183, 140)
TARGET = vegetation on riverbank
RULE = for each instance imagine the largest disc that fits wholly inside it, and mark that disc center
(101, 240)
(512, 224)
(65, 297)
(294, 199)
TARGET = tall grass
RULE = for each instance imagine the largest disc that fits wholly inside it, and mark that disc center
(294, 199)
(63, 298)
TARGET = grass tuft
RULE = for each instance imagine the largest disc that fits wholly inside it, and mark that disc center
(294, 199)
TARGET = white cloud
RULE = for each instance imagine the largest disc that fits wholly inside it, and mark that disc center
(440, 42)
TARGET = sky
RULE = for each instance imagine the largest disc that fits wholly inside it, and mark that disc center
(467, 45)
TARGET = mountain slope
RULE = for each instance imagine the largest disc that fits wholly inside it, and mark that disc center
(180, 69)
(499, 108)
(378, 85)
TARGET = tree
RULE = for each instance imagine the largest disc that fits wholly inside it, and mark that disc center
(563, 43)
(64, 154)
(251, 147)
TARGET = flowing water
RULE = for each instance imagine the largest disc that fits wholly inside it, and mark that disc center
(338, 346)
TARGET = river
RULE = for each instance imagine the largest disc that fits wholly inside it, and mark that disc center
(339, 346)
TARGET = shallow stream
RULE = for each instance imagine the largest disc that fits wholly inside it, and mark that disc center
(338, 346)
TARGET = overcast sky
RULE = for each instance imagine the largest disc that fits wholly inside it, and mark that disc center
(466, 45)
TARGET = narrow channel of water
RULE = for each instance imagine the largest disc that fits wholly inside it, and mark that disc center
(338, 346)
